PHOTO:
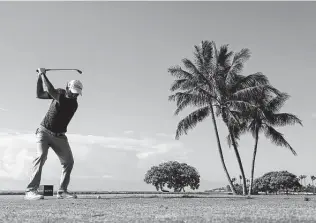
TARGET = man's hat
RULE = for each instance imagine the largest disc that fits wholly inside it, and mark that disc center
(75, 86)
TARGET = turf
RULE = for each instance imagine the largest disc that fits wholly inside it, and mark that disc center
(119, 208)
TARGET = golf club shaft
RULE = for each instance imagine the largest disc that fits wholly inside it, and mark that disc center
(60, 69)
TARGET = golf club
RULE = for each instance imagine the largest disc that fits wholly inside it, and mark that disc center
(79, 71)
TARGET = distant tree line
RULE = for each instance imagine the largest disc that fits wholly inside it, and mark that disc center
(276, 182)
(177, 176)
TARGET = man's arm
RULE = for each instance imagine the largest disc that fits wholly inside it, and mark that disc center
(50, 88)
(40, 93)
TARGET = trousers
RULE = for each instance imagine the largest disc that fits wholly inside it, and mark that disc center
(59, 143)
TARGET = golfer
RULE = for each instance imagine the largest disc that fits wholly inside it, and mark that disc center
(51, 133)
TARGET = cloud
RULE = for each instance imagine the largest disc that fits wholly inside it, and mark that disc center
(96, 157)
(128, 132)
(92, 177)
(3, 109)
(170, 136)
(159, 149)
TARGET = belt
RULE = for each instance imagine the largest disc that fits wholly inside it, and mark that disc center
(50, 132)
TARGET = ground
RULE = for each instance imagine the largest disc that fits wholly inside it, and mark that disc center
(161, 208)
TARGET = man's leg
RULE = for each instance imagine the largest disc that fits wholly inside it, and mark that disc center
(42, 147)
(62, 148)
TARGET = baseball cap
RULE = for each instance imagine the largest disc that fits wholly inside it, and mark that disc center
(75, 86)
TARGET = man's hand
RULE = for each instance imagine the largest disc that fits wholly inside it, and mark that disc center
(41, 71)
(49, 87)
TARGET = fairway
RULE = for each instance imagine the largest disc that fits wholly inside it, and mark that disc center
(135, 208)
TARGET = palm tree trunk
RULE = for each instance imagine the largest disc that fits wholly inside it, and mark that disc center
(239, 163)
(221, 152)
(253, 161)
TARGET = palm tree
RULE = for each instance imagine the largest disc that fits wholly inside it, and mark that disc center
(301, 177)
(264, 117)
(235, 93)
(198, 88)
(215, 81)
(313, 178)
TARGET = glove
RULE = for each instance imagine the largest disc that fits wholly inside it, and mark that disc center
(41, 71)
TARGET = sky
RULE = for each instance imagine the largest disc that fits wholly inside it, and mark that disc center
(125, 124)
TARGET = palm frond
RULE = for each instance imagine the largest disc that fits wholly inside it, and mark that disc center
(215, 56)
(234, 136)
(235, 124)
(277, 138)
(247, 94)
(253, 126)
(202, 77)
(283, 119)
(186, 84)
(191, 67)
(239, 59)
(237, 64)
(240, 105)
(191, 121)
(178, 72)
(236, 117)
(242, 56)
(177, 84)
(203, 54)
(254, 92)
(224, 56)
(208, 54)
(185, 99)
(229, 140)
(255, 79)
(238, 126)
(277, 102)
(209, 95)
(224, 116)
(195, 88)
(198, 54)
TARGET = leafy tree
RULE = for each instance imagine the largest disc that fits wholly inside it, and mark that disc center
(264, 117)
(213, 80)
(273, 182)
(173, 175)
(309, 188)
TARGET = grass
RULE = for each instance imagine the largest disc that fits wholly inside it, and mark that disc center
(159, 208)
